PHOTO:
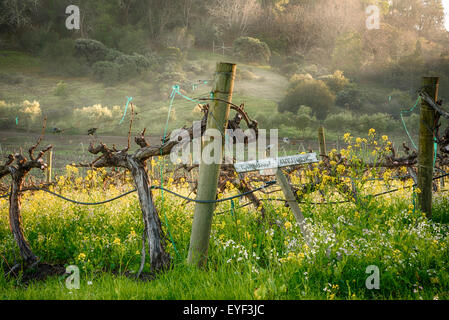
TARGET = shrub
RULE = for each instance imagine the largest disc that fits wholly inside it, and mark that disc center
(112, 54)
(28, 113)
(290, 68)
(106, 71)
(277, 120)
(89, 116)
(381, 121)
(296, 79)
(61, 89)
(312, 93)
(173, 55)
(350, 98)
(336, 82)
(131, 64)
(252, 50)
(290, 124)
(122, 67)
(305, 117)
(314, 70)
(340, 122)
(347, 121)
(92, 50)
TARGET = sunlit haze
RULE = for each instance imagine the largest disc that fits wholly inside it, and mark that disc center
(446, 13)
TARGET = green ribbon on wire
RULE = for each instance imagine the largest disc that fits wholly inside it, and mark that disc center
(435, 144)
(403, 122)
(126, 109)
(175, 90)
(408, 133)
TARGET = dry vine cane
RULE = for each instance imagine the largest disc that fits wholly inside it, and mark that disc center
(136, 164)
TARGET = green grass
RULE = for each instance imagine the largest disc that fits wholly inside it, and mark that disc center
(17, 61)
(180, 283)
(247, 260)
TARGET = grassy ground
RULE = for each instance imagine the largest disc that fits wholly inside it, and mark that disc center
(247, 260)
(260, 94)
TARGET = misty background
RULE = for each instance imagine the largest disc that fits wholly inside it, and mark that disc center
(301, 64)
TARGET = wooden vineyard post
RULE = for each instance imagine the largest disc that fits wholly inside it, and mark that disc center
(291, 200)
(277, 164)
(322, 140)
(426, 146)
(208, 173)
(192, 178)
(49, 167)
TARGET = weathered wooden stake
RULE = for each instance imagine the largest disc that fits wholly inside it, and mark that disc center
(442, 179)
(49, 166)
(291, 200)
(426, 146)
(208, 173)
(322, 140)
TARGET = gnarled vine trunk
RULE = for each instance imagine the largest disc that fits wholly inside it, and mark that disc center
(153, 230)
(15, 217)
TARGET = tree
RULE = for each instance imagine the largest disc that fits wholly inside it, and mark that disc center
(252, 50)
(17, 13)
(421, 16)
(312, 93)
(234, 17)
(160, 15)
